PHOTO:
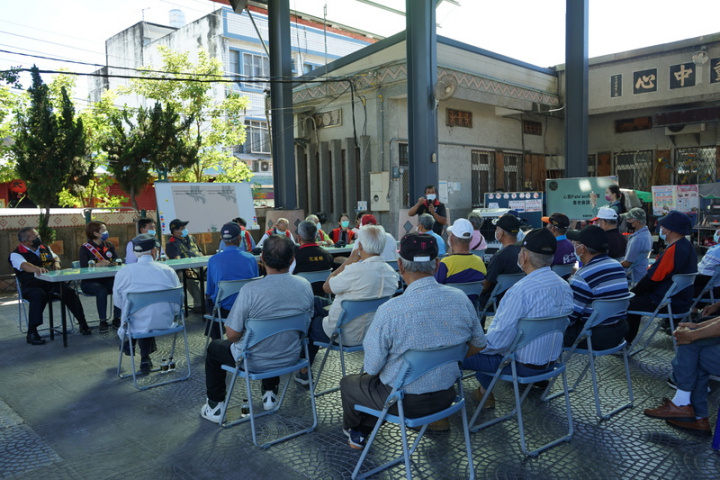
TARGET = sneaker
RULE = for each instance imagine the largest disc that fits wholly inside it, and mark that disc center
(356, 439)
(302, 378)
(213, 414)
(103, 327)
(269, 399)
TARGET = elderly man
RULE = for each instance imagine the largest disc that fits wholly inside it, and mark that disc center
(280, 228)
(145, 275)
(678, 257)
(309, 256)
(182, 245)
(259, 299)
(707, 267)
(430, 204)
(424, 225)
(32, 258)
(558, 224)
(410, 321)
(247, 243)
(540, 294)
(321, 238)
(230, 264)
(461, 266)
(389, 252)
(145, 225)
(607, 220)
(600, 278)
(505, 261)
(639, 241)
(696, 359)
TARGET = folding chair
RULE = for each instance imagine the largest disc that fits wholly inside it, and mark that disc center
(681, 281)
(416, 364)
(644, 255)
(563, 270)
(401, 282)
(504, 282)
(716, 438)
(351, 310)
(708, 288)
(136, 301)
(22, 311)
(257, 330)
(602, 310)
(226, 288)
(470, 288)
(316, 277)
(529, 330)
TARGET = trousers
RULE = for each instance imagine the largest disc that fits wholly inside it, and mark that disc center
(219, 354)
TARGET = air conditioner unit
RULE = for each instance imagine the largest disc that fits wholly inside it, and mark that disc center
(684, 129)
(252, 165)
(264, 166)
(555, 162)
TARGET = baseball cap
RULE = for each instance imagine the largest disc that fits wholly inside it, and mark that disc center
(635, 214)
(509, 223)
(461, 228)
(605, 213)
(591, 236)
(177, 223)
(418, 247)
(143, 242)
(677, 222)
(559, 220)
(368, 219)
(230, 230)
(539, 240)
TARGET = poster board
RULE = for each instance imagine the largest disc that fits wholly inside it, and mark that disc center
(571, 196)
(207, 206)
(685, 198)
(529, 205)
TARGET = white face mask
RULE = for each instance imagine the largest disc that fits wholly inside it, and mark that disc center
(430, 197)
(497, 238)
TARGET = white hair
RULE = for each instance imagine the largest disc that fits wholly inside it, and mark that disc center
(373, 239)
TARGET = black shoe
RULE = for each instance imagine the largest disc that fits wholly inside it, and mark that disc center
(103, 327)
(145, 366)
(35, 339)
(116, 323)
(84, 329)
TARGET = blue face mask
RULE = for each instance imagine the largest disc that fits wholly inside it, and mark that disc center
(662, 234)
(716, 237)
(185, 233)
(151, 232)
(105, 235)
(344, 224)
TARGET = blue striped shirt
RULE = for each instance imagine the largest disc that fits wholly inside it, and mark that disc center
(601, 278)
(540, 294)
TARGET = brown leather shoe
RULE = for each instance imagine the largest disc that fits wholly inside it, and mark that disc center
(700, 425)
(669, 410)
(477, 395)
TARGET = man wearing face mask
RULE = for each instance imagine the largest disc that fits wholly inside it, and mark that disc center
(708, 266)
(31, 257)
(678, 257)
(600, 278)
(430, 204)
(505, 261)
(145, 225)
(639, 241)
(182, 245)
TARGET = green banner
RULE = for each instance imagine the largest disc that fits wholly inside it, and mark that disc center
(571, 196)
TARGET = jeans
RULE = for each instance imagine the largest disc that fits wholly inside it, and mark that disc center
(692, 366)
(100, 288)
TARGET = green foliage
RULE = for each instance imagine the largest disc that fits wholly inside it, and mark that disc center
(9, 104)
(214, 127)
(95, 195)
(50, 149)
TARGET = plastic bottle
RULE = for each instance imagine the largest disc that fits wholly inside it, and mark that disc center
(164, 366)
(171, 364)
(245, 408)
(91, 265)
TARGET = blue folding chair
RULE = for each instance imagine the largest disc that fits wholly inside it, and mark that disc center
(257, 330)
(504, 282)
(226, 288)
(351, 310)
(602, 310)
(136, 301)
(469, 288)
(529, 330)
(401, 282)
(680, 282)
(316, 277)
(416, 364)
(563, 270)
(708, 289)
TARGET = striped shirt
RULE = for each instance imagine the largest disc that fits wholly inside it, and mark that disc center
(601, 278)
(540, 294)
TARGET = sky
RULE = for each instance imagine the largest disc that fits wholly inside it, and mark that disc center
(532, 31)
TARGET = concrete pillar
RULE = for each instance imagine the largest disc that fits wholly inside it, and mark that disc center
(325, 179)
(576, 88)
(338, 189)
(351, 175)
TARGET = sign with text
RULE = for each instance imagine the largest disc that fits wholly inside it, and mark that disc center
(645, 81)
(571, 196)
(684, 198)
(527, 204)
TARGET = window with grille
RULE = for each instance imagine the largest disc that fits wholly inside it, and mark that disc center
(257, 137)
(695, 165)
(482, 168)
(513, 173)
(256, 67)
(404, 161)
(634, 169)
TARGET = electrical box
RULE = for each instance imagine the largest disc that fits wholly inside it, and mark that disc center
(379, 191)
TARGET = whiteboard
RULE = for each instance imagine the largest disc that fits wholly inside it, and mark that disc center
(207, 206)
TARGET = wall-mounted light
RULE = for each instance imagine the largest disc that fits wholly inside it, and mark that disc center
(700, 57)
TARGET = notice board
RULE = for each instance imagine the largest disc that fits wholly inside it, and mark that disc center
(685, 198)
(571, 196)
(529, 205)
(207, 206)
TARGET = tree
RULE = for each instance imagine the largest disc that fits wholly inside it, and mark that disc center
(9, 104)
(50, 149)
(217, 126)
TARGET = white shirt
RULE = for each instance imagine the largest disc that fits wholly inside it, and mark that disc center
(265, 237)
(145, 276)
(389, 252)
(16, 259)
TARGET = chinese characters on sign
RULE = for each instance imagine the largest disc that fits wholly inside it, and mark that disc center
(645, 81)
(682, 75)
(715, 70)
(616, 86)
(458, 118)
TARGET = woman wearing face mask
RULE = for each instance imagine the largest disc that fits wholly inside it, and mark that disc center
(343, 233)
(708, 266)
(615, 198)
(102, 252)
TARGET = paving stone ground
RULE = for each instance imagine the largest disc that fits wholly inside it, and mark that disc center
(65, 415)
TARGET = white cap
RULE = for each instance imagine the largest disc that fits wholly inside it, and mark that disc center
(461, 228)
(606, 213)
